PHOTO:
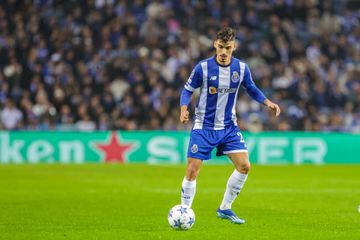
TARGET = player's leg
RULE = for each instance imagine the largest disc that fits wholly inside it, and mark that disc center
(188, 188)
(234, 185)
(200, 147)
(193, 168)
(233, 145)
(237, 179)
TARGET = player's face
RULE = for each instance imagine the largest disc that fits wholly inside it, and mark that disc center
(224, 51)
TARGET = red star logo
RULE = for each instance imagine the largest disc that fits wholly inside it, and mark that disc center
(114, 150)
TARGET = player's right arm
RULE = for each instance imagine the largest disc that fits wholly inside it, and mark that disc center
(184, 114)
(194, 81)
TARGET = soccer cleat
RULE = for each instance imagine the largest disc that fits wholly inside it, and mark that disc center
(230, 215)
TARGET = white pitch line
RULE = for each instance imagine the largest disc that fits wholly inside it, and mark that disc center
(263, 190)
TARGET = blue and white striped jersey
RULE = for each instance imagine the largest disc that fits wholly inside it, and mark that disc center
(219, 86)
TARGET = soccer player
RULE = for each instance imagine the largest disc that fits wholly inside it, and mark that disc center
(219, 78)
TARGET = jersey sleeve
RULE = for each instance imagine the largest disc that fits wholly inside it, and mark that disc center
(195, 80)
(251, 88)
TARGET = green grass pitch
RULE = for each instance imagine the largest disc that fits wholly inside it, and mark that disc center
(132, 202)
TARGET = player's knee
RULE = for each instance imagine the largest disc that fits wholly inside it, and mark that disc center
(244, 168)
(192, 172)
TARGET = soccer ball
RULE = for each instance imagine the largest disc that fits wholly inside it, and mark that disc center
(181, 217)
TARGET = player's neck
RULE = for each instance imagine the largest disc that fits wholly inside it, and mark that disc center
(223, 63)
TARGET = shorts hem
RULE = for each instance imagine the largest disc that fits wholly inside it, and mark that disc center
(235, 151)
(202, 159)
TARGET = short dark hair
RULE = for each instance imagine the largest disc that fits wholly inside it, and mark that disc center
(226, 34)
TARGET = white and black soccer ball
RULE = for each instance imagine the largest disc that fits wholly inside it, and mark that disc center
(181, 217)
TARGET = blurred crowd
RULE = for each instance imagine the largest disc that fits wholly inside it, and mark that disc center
(121, 64)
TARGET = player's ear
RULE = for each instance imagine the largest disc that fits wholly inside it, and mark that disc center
(215, 43)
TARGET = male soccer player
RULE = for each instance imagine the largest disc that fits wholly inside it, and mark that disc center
(219, 79)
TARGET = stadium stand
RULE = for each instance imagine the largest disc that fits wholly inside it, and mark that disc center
(106, 64)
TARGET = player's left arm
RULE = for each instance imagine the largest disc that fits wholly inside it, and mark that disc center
(255, 92)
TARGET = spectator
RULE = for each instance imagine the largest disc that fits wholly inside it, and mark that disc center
(11, 116)
(107, 64)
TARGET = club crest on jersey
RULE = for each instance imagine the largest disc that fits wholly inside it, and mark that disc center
(194, 148)
(213, 78)
(235, 77)
(212, 90)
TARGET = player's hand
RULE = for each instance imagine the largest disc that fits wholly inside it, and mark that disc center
(184, 115)
(273, 106)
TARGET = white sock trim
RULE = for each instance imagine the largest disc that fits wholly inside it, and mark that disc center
(188, 184)
(188, 190)
(242, 177)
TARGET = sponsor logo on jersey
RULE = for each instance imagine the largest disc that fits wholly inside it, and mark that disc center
(214, 90)
(226, 90)
(235, 77)
(194, 148)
